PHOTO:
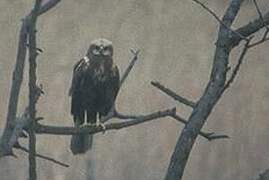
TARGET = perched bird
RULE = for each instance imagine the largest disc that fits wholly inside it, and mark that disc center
(94, 88)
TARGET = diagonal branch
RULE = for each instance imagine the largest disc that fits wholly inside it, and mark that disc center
(127, 71)
(47, 6)
(17, 79)
(130, 67)
(264, 38)
(237, 67)
(250, 28)
(24, 149)
(218, 19)
(209, 136)
(209, 98)
(259, 13)
(173, 95)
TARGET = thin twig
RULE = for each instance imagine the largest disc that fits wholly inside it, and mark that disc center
(209, 136)
(172, 94)
(258, 42)
(127, 71)
(24, 149)
(130, 67)
(237, 67)
(264, 38)
(260, 13)
(218, 19)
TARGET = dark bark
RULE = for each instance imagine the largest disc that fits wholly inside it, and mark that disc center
(209, 98)
(57, 130)
(250, 28)
(32, 90)
(17, 79)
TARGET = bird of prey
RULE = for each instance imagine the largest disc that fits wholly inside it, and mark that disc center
(94, 88)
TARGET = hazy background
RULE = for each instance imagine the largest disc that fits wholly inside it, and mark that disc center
(177, 42)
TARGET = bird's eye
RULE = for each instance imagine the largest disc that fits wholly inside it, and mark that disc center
(95, 51)
(106, 52)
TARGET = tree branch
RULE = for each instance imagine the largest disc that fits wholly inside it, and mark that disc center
(92, 129)
(127, 71)
(47, 6)
(173, 95)
(130, 67)
(218, 19)
(250, 28)
(209, 136)
(24, 149)
(209, 98)
(17, 79)
(15, 91)
(264, 175)
(237, 67)
(32, 90)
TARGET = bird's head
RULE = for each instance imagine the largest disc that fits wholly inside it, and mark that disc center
(100, 48)
(100, 54)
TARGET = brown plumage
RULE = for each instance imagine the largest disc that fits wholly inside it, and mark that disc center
(95, 85)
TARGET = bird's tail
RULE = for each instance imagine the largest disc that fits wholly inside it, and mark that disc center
(81, 143)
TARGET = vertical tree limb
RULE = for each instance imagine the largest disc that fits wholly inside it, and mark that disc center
(17, 79)
(15, 90)
(209, 98)
(32, 90)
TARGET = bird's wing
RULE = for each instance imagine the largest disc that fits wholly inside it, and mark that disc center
(111, 91)
(78, 71)
(115, 82)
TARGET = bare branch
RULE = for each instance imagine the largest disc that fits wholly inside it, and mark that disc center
(24, 149)
(92, 129)
(127, 71)
(237, 67)
(264, 39)
(209, 136)
(260, 13)
(264, 175)
(130, 67)
(47, 6)
(173, 95)
(20, 124)
(17, 80)
(15, 90)
(250, 28)
(218, 19)
(32, 90)
(209, 98)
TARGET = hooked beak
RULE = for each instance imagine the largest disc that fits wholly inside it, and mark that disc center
(101, 50)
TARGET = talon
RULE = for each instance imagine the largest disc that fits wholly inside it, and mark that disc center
(98, 124)
(103, 127)
(81, 125)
